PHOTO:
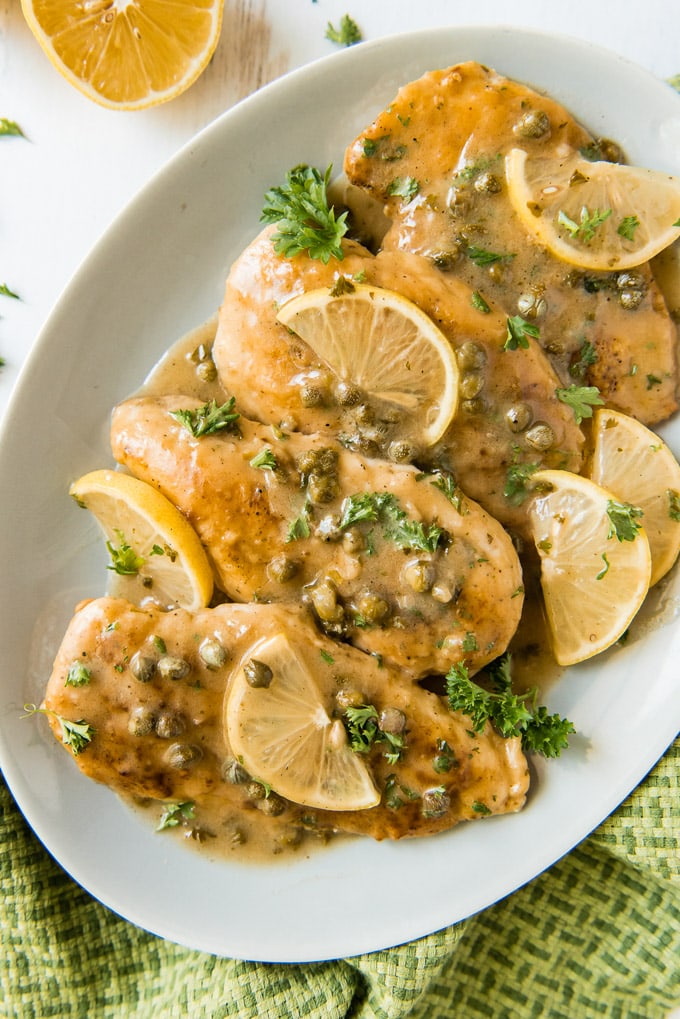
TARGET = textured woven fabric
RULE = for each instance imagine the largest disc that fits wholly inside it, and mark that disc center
(598, 935)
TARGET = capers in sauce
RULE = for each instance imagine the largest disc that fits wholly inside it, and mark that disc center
(324, 599)
(311, 395)
(401, 451)
(392, 720)
(631, 299)
(353, 541)
(183, 755)
(282, 568)
(372, 608)
(142, 667)
(328, 528)
(212, 653)
(487, 183)
(206, 371)
(470, 356)
(347, 394)
(445, 259)
(419, 574)
(272, 805)
(234, 772)
(475, 406)
(532, 124)
(471, 385)
(322, 488)
(518, 416)
(531, 305)
(435, 803)
(257, 673)
(540, 436)
(171, 667)
(169, 724)
(141, 721)
(255, 791)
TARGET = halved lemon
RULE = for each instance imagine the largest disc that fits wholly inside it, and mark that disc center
(155, 551)
(127, 54)
(283, 735)
(385, 345)
(603, 216)
(637, 465)
(594, 572)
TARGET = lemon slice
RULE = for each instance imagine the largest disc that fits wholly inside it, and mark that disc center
(635, 464)
(598, 215)
(593, 579)
(383, 343)
(284, 736)
(128, 55)
(147, 536)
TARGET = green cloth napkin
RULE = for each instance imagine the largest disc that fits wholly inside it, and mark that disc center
(598, 935)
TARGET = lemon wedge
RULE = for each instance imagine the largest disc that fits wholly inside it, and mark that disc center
(155, 552)
(638, 466)
(385, 345)
(602, 216)
(595, 563)
(284, 736)
(130, 55)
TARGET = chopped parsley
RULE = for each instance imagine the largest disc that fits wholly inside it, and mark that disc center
(623, 520)
(478, 302)
(10, 127)
(586, 356)
(6, 292)
(75, 735)
(673, 504)
(78, 674)
(384, 507)
(348, 34)
(516, 488)
(518, 333)
(511, 714)
(447, 484)
(175, 814)
(404, 187)
(305, 220)
(209, 419)
(589, 223)
(124, 560)
(581, 399)
(363, 728)
(445, 758)
(480, 808)
(264, 460)
(627, 227)
(299, 527)
(482, 257)
(605, 569)
(653, 380)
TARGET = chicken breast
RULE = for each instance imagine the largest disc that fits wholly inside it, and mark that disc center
(155, 731)
(434, 159)
(401, 564)
(510, 419)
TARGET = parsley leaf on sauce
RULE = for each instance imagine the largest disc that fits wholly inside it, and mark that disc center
(305, 220)
(519, 330)
(581, 399)
(209, 419)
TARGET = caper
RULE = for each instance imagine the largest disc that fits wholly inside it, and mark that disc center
(257, 673)
(631, 281)
(518, 417)
(328, 528)
(359, 442)
(324, 598)
(471, 385)
(291, 837)
(419, 575)
(496, 272)
(531, 305)
(323, 460)
(610, 151)
(456, 199)
(372, 607)
(142, 667)
(173, 668)
(311, 395)
(169, 724)
(347, 394)
(533, 124)
(234, 772)
(255, 791)
(212, 653)
(392, 720)
(631, 299)
(349, 697)
(141, 721)
(540, 436)
(365, 414)
(282, 568)
(475, 406)
(401, 451)
(470, 356)
(445, 259)
(306, 461)
(353, 541)
(435, 803)
(206, 371)
(322, 487)
(182, 755)
(487, 183)
(442, 593)
(272, 805)
(555, 348)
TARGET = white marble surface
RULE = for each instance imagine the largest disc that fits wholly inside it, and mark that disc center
(81, 163)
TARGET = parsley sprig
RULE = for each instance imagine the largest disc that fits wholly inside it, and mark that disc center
(623, 520)
(209, 419)
(75, 735)
(348, 33)
(588, 224)
(510, 713)
(581, 399)
(124, 560)
(306, 222)
(518, 333)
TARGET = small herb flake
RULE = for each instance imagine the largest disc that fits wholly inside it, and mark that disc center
(673, 504)
(479, 303)
(518, 333)
(75, 735)
(404, 187)
(175, 814)
(10, 128)
(605, 569)
(482, 257)
(124, 560)
(589, 223)
(587, 356)
(348, 34)
(627, 227)
(78, 674)
(6, 292)
(264, 460)
(581, 399)
(209, 419)
(623, 520)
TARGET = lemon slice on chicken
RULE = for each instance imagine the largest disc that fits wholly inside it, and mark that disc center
(155, 552)
(596, 215)
(283, 735)
(638, 466)
(595, 563)
(385, 345)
